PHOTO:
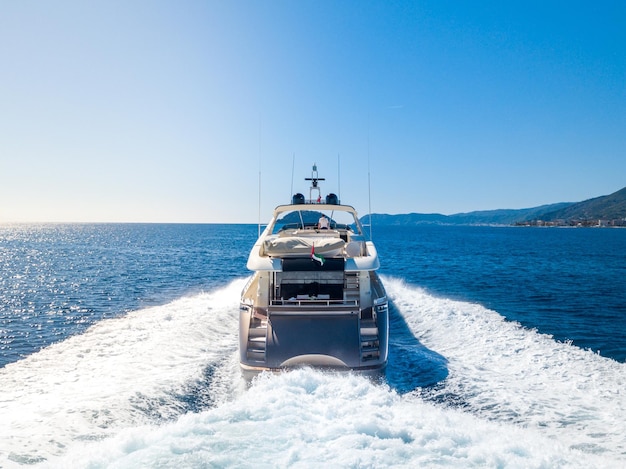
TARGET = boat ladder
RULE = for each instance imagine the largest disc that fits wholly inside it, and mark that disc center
(351, 287)
(370, 343)
(257, 337)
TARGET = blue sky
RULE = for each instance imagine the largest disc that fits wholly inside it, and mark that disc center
(168, 111)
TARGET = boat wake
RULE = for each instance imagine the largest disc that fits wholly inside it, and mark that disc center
(149, 366)
(500, 371)
(464, 387)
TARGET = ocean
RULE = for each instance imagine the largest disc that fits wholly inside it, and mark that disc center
(118, 348)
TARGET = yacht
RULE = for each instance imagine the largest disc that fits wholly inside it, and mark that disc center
(314, 298)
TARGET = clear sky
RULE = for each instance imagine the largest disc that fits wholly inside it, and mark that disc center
(168, 111)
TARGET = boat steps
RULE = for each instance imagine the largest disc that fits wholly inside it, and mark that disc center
(255, 356)
(351, 286)
(370, 341)
(257, 334)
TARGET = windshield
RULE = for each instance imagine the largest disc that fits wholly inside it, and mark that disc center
(302, 219)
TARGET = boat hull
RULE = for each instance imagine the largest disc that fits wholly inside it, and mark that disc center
(329, 334)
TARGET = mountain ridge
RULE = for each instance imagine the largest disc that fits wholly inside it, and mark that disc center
(607, 209)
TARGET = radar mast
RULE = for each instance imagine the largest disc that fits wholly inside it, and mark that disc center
(314, 187)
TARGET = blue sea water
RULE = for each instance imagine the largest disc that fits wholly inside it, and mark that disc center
(118, 348)
(58, 279)
(567, 282)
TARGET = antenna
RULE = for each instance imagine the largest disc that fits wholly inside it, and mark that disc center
(293, 164)
(339, 176)
(369, 186)
(259, 220)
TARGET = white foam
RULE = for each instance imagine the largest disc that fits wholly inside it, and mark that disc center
(309, 419)
(512, 398)
(499, 370)
(91, 385)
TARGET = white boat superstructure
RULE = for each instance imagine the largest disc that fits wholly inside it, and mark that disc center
(315, 298)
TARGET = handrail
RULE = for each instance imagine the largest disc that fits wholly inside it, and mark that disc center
(322, 308)
(313, 303)
(248, 283)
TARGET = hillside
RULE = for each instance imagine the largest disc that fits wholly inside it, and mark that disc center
(608, 209)
(485, 217)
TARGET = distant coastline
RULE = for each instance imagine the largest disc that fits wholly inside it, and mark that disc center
(587, 223)
(603, 211)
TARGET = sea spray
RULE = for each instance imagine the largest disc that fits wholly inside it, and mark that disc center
(161, 387)
(122, 372)
(499, 370)
(306, 417)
